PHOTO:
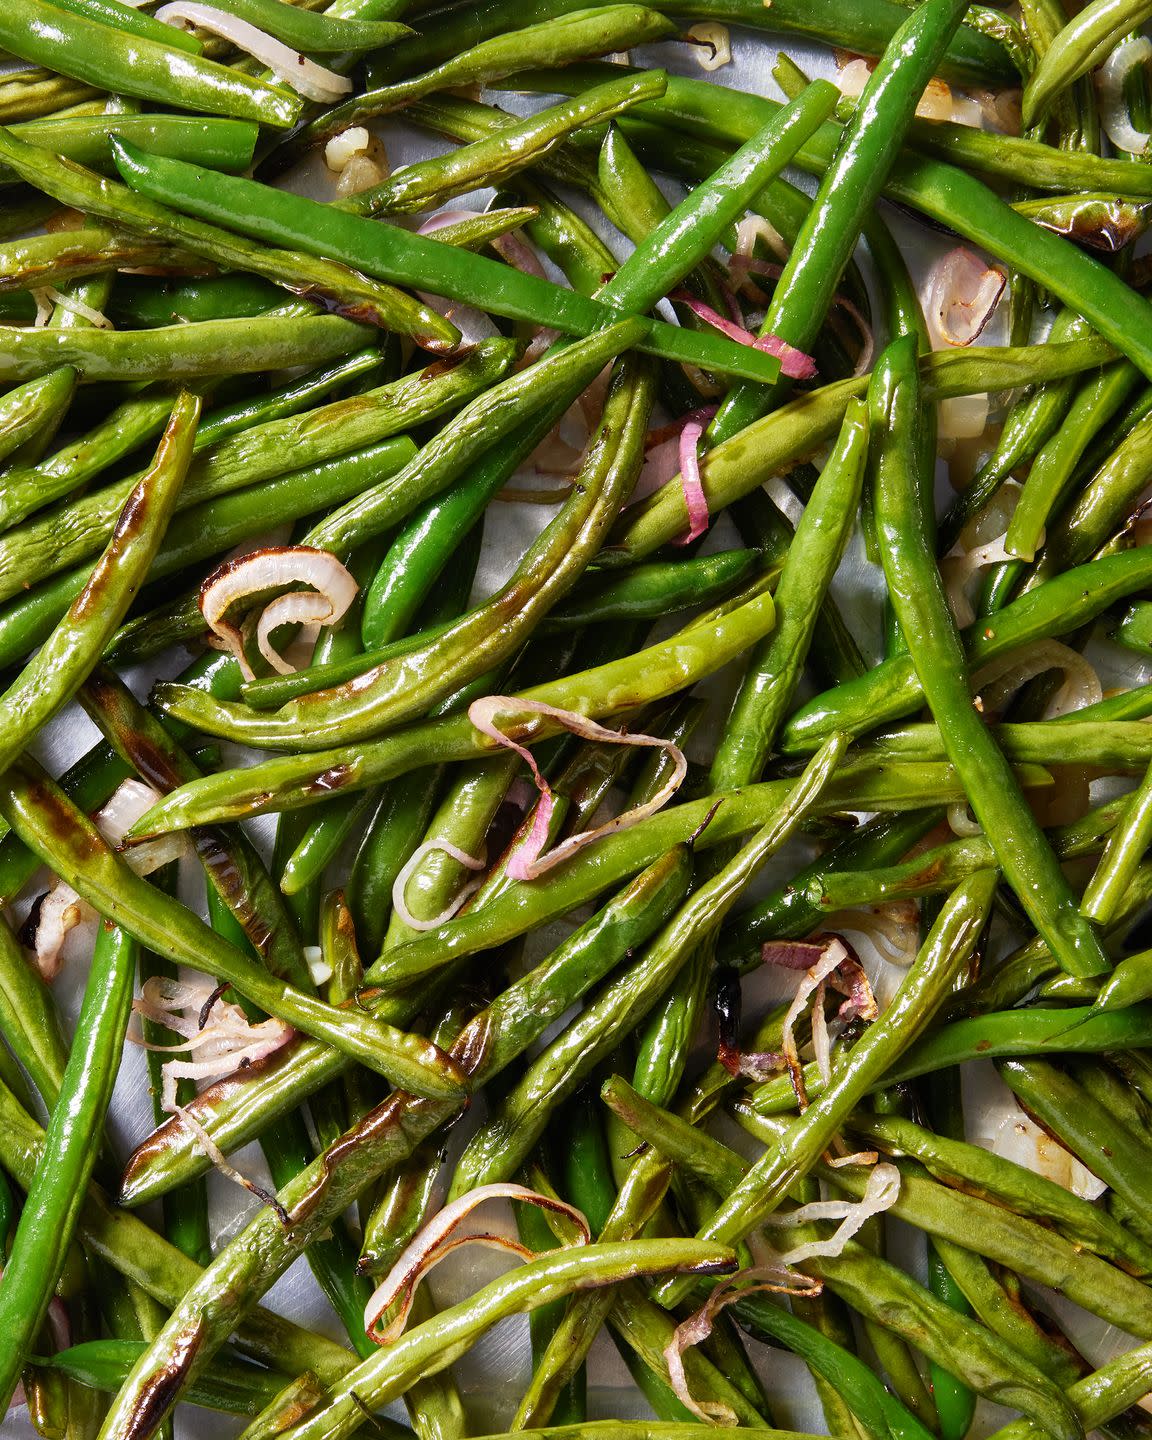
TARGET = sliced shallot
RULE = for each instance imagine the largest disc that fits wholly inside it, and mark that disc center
(695, 501)
(333, 590)
(773, 1278)
(214, 1029)
(435, 1241)
(526, 862)
(793, 363)
(833, 952)
(314, 82)
(1115, 117)
(960, 295)
(880, 1194)
(711, 44)
(400, 884)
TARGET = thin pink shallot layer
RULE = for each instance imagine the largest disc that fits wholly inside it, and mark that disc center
(436, 1240)
(793, 363)
(526, 862)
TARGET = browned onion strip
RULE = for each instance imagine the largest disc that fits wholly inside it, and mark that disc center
(220, 1162)
(774, 1278)
(332, 591)
(960, 295)
(435, 1240)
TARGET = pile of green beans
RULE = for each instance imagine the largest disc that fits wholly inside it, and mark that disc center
(391, 546)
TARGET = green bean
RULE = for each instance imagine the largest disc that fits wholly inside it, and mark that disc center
(1102, 506)
(68, 533)
(892, 690)
(385, 1136)
(866, 30)
(32, 93)
(848, 190)
(650, 591)
(776, 664)
(51, 1212)
(431, 182)
(44, 818)
(29, 1021)
(878, 1288)
(138, 1253)
(921, 607)
(313, 31)
(60, 667)
(37, 260)
(1102, 222)
(235, 1386)
(207, 529)
(946, 949)
(559, 41)
(492, 1039)
(360, 298)
(993, 1035)
(391, 693)
(437, 1342)
(414, 260)
(1031, 422)
(943, 866)
(28, 407)
(179, 351)
(796, 909)
(735, 467)
(220, 144)
(129, 424)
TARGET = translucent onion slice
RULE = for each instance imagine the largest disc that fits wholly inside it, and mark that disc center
(695, 501)
(1129, 55)
(773, 1278)
(960, 294)
(526, 862)
(880, 1194)
(436, 1240)
(333, 590)
(711, 44)
(213, 1028)
(314, 82)
(400, 884)
(833, 954)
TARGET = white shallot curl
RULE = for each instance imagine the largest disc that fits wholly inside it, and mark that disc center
(333, 590)
(400, 884)
(958, 567)
(711, 44)
(526, 862)
(961, 823)
(1129, 55)
(62, 910)
(835, 952)
(220, 1162)
(74, 305)
(960, 294)
(314, 82)
(851, 78)
(435, 1241)
(774, 1278)
(880, 1194)
(213, 1029)
(1000, 678)
(893, 928)
(748, 232)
